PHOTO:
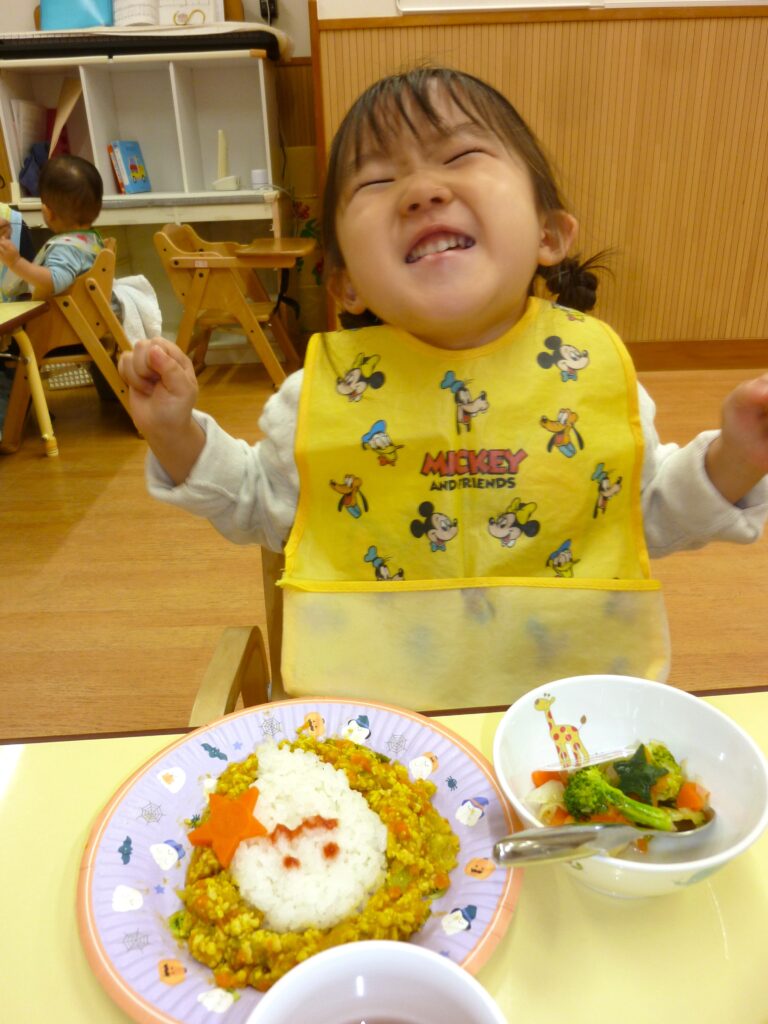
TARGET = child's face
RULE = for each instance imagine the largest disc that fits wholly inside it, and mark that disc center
(441, 235)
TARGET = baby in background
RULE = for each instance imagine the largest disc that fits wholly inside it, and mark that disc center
(71, 194)
(70, 191)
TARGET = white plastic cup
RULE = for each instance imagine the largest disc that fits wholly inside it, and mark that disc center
(259, 177)
(377, 980)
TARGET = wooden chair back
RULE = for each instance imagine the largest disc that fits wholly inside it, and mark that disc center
(83, 317)
(246, 663)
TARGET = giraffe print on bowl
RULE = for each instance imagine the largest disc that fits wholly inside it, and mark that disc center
(563, 736)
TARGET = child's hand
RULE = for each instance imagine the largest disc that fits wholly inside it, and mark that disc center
(162, 382)
(738, 458)
(163, 389)
(5, 228)
(9, 254)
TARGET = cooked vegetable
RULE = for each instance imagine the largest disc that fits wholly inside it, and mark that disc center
(648, 789)
(588, 792)
(668, 786)
(638, 774)
(540, 777)
(692, 797)
(547, 801)
(230, 821)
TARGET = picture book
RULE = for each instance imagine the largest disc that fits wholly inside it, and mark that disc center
(116, 171)
(128, 164)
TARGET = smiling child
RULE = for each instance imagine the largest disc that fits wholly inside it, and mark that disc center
(440, 211)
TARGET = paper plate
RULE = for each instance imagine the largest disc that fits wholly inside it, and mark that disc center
(137, 854)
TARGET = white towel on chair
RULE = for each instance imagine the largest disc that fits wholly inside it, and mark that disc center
(141, 314)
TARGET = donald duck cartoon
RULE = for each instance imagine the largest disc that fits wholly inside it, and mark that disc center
(379, 441)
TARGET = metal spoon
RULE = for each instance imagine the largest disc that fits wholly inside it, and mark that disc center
(573, 842)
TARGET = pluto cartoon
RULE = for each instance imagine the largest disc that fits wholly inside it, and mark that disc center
(352, 499)
(561, 429)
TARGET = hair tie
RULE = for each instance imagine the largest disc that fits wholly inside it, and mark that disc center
(574, 283)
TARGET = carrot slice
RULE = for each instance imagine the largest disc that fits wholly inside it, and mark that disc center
(611, 816)
(231, 820)
(559, 817)
(693, 797)
(540, 777)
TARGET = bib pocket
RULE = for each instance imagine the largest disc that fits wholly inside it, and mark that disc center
(432, 645)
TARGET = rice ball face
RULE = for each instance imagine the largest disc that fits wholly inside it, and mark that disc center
(325, 849)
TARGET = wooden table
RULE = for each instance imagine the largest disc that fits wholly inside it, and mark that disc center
(569, 954)
(275, 253)
(13, 317)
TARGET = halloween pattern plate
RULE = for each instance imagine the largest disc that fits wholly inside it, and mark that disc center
(138, 851)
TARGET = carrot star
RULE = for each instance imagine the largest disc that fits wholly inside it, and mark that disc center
(231, 820)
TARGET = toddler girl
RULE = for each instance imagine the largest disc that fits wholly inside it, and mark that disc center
(467, 480)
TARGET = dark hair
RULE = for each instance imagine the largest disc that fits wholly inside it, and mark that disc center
(574, 282)
(72, 188)
(380, 113)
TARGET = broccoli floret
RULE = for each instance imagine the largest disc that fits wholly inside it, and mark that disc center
(669, 785)
(588, 792)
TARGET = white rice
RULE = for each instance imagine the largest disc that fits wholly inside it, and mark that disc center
(294, 786)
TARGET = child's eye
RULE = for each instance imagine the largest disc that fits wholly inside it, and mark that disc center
(370, 182)
(463, 153)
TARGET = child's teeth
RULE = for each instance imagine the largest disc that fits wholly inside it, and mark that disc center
(438, 244)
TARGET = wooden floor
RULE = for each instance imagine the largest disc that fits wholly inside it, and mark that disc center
(112, 604)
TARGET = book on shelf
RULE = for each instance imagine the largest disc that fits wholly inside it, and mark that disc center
(129, 167)
(116, 169)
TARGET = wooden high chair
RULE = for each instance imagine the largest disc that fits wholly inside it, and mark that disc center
(243, 665)
(218, 286)
(81, 316)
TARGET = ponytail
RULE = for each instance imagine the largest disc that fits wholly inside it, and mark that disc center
(574, 283)
(353, 321)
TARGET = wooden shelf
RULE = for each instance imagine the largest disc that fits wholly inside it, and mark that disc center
(157, 207)
(174, 105)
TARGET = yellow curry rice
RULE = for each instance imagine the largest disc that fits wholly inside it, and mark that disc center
(225, 933)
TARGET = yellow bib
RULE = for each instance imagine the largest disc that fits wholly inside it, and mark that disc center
(469, 522)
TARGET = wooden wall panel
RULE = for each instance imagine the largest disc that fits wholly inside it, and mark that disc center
(657, 129)
(295, 102)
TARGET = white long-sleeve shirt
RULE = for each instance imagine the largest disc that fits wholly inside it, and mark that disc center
(250, 492)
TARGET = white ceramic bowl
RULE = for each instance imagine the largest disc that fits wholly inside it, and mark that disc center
(609, 713)
(377, 982)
